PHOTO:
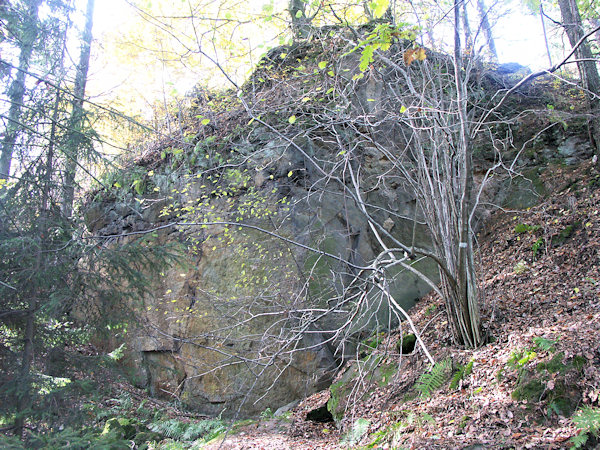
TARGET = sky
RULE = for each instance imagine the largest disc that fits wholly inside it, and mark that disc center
(518, 38)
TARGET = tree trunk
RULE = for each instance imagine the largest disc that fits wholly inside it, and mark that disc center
(545, 34)
(24, 382)
(487, 29)
(300, 23)
(587, 66)
(464, 294)
(467, 30)
(24, 389)
(75, 136)
(16, 92)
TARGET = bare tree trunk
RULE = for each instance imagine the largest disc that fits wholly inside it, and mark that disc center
(16, 91)
(587, 65)
(487, 29)
(74, 139)
(467, 29)
(300, 23)
(466, 296)
(367, 9)
(545, 34)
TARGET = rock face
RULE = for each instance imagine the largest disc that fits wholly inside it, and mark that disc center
(269, 295)
(211, 341)
(225, 329)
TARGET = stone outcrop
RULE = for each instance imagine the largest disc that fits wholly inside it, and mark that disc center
(256, 312)
(211, 330)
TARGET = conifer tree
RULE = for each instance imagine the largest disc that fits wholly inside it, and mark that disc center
(22, 19)
(76, 121)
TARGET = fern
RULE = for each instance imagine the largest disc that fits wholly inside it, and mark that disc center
(579, 440)
(434, 379)
(588, 419)
(206, 429)
(545, 344)
(359, 429)
(75, 440)
(174, 429)
(460, 374)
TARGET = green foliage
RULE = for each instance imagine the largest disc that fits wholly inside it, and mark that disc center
(547, 345)
(579, 440)
(406, 345)
(333, 404)
(120, 182)
(358, 430)
(532, 5)
(522, 228)
(547, 380)
(430, 310)
(177, 430)
(525, 228)
(68, 438)
(565, 234)
(537, 245)
(171, 428)
(371, 343)
(521, 267)
(519, 358)
(117, 353)
(381, 38)
(126, 428)
(529, 389)
(431, 381)
(391, 434)
(71, 286)
(461, 373)
(587, 419)
(555, 365)
(267, 414)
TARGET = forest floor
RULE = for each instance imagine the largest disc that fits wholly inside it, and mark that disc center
(540, 273)
(540, 278)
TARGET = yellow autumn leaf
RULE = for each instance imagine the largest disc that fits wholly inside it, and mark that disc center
(417, 54)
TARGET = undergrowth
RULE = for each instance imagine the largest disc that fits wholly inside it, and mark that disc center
(587, 420)
(431, 381)
(123, 424)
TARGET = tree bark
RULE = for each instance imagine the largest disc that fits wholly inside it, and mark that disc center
(300, 23)
(465, 296)
(75, 136)
(16, 92)
(467, 29)
(24, 382)
(545, 34)
(487, 29)
(586, 64)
